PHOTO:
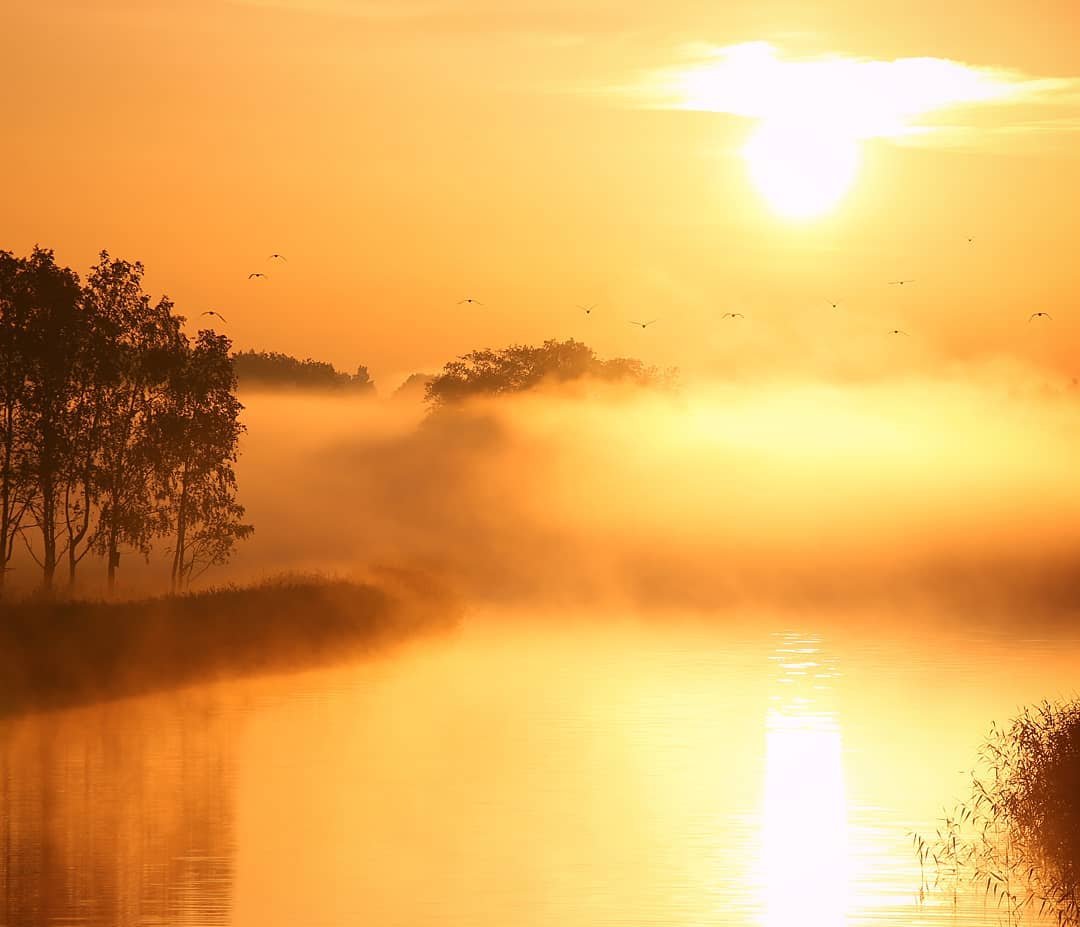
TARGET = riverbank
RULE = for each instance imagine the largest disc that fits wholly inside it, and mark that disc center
(58, 654)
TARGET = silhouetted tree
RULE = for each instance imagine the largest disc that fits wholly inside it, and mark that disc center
(15, 477)
(523, 367)
(270, 369)
(197, 435)
(54, 338)
(146, 348)
(114, 428)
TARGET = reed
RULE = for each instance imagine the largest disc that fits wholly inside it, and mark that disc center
(1016, 837)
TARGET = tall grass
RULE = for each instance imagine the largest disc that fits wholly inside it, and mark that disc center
(1016, 837)
(62, 653)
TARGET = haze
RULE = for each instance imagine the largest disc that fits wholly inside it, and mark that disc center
(471, 463)
(407, 154)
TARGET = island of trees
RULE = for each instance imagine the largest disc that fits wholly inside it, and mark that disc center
(117, 430)
(523, 367)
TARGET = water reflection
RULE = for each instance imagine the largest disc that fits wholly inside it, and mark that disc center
(586, 776)
(118, 814)
(805, 853)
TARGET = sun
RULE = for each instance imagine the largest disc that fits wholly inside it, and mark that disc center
(802, 171)
(813, 113)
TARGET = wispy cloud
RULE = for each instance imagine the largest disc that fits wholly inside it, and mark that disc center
(859, 97)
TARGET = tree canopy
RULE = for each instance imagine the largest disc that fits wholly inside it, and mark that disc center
(116, 429)
(273, 370)
(522, 367)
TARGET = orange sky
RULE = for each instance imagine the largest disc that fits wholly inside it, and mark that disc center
(405, 154)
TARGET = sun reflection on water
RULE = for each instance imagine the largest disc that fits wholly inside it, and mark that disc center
(805, 861)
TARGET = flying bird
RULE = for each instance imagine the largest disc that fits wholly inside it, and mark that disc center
(1040, 315)
(642, 324)
(835, 305)
(899, 282)
(256, 276)
(897, 331)
(217, 314)
(733, 315)
(587, 309)
(278, 257)
(474, 301)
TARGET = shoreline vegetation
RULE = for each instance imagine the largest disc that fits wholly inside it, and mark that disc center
(57, 654)
(1016, 837)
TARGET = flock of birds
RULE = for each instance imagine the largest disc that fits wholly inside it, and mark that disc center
(588, 310)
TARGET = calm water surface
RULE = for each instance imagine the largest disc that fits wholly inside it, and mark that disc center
(589, 773)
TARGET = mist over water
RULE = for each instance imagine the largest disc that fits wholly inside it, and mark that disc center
(804, 492)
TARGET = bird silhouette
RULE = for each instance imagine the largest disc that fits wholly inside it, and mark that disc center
(473, 301)
(733, 315)
(278, 257)
(587, 309)
(217, 314)
(899, 282)
(1040, 315)
(256, 276)
(835, 305)
(897, 331)
(642, 324)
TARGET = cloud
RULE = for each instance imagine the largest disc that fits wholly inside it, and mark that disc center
(860, 98)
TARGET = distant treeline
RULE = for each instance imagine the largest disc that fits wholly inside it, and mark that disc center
(280, 371)
(116, 429)
(522, 367)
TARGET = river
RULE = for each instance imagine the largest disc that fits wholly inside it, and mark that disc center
(577, 771)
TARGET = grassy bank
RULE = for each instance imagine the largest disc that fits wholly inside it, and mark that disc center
(67, 653)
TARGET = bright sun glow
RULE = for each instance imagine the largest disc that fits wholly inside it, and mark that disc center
(813, 114)
(805, 857)
(800, 171)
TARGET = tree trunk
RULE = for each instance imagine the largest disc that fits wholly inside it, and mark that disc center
(181, 536)
(48, 534)
(7, 501)
(113, 559)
